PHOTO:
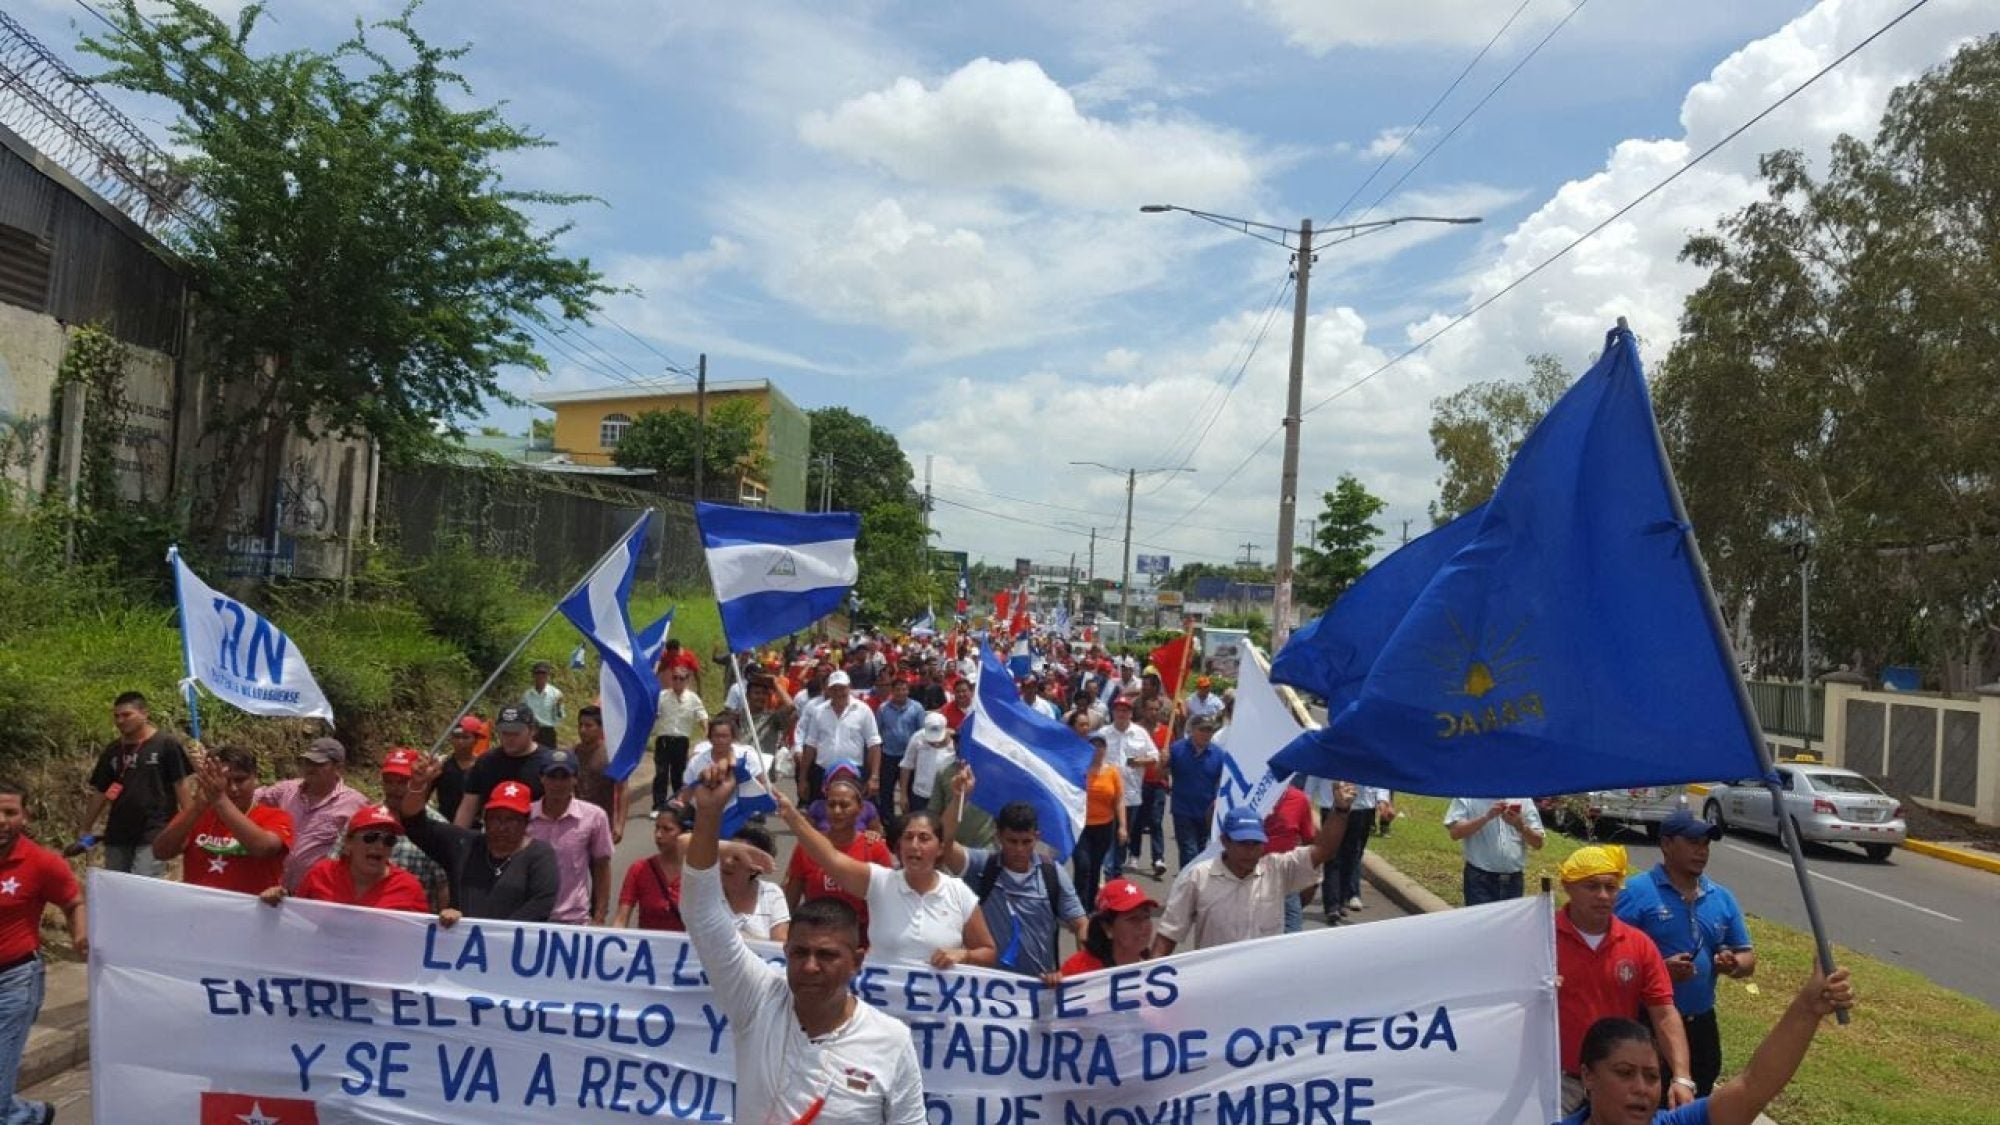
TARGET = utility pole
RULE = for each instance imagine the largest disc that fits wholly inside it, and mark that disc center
(826, 482)
(1805, 639)
(1249, 554)
(1406, 533)
(700, 420)
(1132, 476)
(1288, 479)
(925, 554)
(1069, 587)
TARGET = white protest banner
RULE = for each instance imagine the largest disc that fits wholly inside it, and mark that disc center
(213, 1007)
(244, 659)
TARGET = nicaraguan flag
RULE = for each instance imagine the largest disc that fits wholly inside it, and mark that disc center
(776, 572)
(245, 660)
(1019, 754)
(628, 689)
(1022, 660)
(1568, 645)
(1332, 655)
(752, 798)
(653, 639)
(1260, 725)
(925, 626)
(577, 658)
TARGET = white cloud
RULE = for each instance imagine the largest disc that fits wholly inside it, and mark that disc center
(1396, 140)
(1008, 124)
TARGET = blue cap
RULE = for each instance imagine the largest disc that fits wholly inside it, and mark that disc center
(559, 761)
(1242, 825)
(1688, 826)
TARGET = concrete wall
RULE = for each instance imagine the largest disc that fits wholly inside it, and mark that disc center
(31, 352)
(1941, 751)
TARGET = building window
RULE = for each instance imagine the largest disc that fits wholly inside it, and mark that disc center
(750, 494)
(611, 431)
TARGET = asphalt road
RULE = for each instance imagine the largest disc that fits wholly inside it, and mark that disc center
(1923, 914)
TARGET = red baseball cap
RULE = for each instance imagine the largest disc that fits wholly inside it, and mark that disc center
(399, 762)
(1121, 895)
(511, 796)
(373, 816)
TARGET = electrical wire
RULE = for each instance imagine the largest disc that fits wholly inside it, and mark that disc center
(1246, 351)
(1404, 140)
(1072, 531)
(1615, 216)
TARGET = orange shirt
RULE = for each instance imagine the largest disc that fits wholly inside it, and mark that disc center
(1103, 793)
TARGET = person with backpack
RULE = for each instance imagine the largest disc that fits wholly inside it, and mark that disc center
(1028, 899)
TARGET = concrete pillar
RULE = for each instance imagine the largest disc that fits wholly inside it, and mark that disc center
(1987, 811)
(1836, 688)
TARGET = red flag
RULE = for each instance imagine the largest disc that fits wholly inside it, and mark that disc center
(1172, 660)
(255, 1109)
(1001, 601)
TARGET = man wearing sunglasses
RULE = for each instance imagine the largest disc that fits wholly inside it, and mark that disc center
(682, 716)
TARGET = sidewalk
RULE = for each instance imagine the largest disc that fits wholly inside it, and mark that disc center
(60, 1038)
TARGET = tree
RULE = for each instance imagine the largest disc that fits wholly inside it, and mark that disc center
(1343, 540)
(896, 581)
(663, 440)
(365, 271)
(1838, 379)
(1476, 431)
(542, 429)
(868, 463)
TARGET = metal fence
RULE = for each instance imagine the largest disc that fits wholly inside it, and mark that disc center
(554, 525)
(1781, 710)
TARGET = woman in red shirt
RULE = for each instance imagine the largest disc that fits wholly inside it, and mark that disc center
(652, 884)
(804, 879)
(362, 874)
(1121, 930)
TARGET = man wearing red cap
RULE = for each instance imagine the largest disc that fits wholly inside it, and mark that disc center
(498, 873)
(397, 766)
(362, 874)
(225, 839)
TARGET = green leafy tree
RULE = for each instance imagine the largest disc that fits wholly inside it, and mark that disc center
(869, 467)
(663, 440)
(365, 270)
(1475, 432)
(542, 429)
(1838, 379)
(1343, 540)
(896, 583)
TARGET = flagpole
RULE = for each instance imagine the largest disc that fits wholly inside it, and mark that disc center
(1746, 710)
(554, 608)
(187, 653)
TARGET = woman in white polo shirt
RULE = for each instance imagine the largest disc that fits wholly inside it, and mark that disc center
(918, 914)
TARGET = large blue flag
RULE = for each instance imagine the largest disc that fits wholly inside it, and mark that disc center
(1567, 645)
(1020, 754)
(776, 572)
(1332, 655)
(628, 688)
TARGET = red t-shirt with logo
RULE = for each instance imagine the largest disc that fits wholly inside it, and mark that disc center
(214, 857)
(31, 877)
(1622, 977)
(329, 880)
(818, 884)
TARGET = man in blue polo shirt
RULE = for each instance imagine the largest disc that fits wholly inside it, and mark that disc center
(1699, 930)
(1194, 773)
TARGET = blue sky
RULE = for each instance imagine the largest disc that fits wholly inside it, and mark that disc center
(928, 212)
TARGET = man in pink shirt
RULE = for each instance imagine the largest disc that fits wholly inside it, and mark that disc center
(319, 802)
(580, 834)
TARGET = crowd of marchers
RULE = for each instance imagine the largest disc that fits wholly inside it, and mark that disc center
(893, 861)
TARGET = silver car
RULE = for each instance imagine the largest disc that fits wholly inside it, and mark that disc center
(1826, 804)
(1643, 808)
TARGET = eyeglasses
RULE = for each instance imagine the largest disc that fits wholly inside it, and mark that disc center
(376, 837)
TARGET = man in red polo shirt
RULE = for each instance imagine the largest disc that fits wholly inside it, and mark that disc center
(225, 839)
(31, 877)
(1606, 968)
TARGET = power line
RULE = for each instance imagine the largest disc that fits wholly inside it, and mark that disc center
(1227, 386)
(1642, 197)
(1477, 106)
(672, 365)
(1404, 140)
(1113, 517)
(1070, 531)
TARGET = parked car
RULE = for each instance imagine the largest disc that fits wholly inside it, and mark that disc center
(1642, 808)
(1826, 804)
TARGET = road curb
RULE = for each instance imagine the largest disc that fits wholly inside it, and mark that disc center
(1960, 856)
(1399, 888)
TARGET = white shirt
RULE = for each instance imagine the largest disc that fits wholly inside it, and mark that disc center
(1210, 906)
(1197, 705)
(1121, 748)
(924, 761)
(1043, 705)
(704, 757)
(770, 912)
(904, 927)
(680, 713)
(545, 703)
(779, 1071)
(841, 737)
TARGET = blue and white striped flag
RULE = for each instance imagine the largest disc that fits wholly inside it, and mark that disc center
(752, 799)
(577, 659)
(776, 572)
(925, 626)
(628, 689)
(653, 639)
(1019, 754)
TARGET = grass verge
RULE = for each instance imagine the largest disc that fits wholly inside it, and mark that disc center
(1915, 1053)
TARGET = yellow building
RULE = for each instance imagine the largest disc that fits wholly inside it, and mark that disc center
(589, 425)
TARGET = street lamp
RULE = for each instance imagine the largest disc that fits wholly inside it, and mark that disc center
(1288, 485)
(1125, 584)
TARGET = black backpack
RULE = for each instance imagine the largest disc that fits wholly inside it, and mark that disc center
(989, 877)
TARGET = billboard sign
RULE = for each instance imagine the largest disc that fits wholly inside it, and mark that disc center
(1156, 565)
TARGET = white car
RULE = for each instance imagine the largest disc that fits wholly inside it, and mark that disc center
(1643, 808)
(1826, 804)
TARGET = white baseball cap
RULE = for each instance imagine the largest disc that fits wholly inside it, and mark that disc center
(838, 679)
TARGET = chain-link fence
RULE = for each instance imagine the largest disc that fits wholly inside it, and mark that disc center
(556, 525)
